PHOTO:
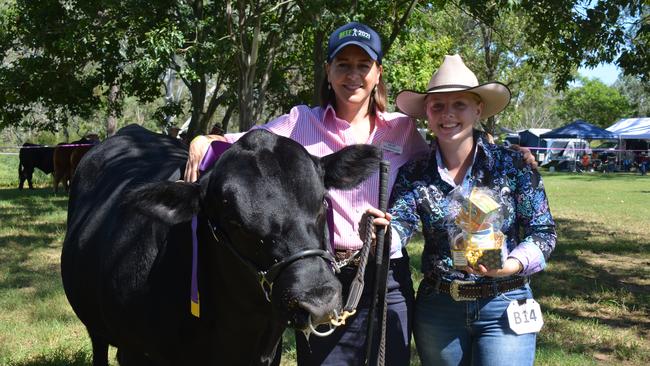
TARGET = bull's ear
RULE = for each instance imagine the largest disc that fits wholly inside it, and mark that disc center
(170, 202)
(348, 167)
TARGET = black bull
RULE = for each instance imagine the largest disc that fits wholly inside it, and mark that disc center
(126, 261)
(33, 156)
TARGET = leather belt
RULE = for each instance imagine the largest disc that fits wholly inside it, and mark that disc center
(346, 257)
(460, 290)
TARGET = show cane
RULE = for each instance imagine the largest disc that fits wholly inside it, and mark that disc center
(381, 270)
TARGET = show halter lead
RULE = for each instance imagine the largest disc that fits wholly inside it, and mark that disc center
(382, 260)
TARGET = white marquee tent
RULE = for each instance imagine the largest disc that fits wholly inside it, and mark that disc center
(632, 128)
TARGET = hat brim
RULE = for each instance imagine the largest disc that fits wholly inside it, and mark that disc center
(495, 97)
(369, 51)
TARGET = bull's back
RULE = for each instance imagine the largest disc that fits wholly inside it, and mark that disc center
(102, 235)
(33, 156)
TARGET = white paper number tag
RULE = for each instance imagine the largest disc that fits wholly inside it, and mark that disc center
(525, 316)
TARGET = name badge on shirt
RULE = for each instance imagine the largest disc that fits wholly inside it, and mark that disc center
(525, 316)
(389, 146)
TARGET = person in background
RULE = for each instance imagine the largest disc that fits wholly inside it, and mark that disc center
(643, 163)
(585, 162)
(460, 312)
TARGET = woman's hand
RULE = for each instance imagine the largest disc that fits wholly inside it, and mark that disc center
(380, 218)
(198, 147)
(510, 267)
(528, 156)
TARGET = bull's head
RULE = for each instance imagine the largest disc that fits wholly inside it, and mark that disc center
(266, 197)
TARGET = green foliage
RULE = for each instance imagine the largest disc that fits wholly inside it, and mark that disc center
(594, 102)
(637, 92)
(576, 32)
(415, 55)
(60, 58)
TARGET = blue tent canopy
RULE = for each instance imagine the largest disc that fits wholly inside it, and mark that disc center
(580, 129)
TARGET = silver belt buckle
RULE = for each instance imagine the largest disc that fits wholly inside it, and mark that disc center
(454, 290)
(346, 261)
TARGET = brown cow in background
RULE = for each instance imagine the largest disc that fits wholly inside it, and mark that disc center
(66, 158)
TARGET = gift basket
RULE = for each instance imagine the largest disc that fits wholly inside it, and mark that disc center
(474, 222)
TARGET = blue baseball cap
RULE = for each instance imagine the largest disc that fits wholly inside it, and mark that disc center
(355, 34)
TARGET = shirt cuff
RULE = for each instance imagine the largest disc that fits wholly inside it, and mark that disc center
(395, 244)
(530, 256)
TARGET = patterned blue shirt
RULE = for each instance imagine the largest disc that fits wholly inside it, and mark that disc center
(420, 194)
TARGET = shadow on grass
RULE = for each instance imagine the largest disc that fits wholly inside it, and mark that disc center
(584, 268)
(59, 357)
(33, 223)
(592, 177)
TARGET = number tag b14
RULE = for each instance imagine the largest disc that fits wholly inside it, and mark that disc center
(525, 316)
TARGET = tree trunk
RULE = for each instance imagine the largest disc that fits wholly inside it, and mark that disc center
(247, 67)
(197, 90)
(226, 118)
(251, 92)
(111, 121)
(490, 70)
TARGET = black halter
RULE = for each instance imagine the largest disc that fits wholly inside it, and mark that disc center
(267, 277)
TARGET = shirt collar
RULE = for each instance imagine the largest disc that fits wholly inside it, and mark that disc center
(484, 148)
(329, 114)
(444, 173)
(482, 152)
(380, 117)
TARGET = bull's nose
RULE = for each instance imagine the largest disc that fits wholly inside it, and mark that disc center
(319, 314)
(321, 308)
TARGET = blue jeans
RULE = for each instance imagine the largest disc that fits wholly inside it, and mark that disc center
(476, 332)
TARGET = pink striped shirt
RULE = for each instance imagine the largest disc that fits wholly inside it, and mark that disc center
(321, 132)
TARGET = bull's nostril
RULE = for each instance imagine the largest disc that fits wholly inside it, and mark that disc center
(318, 313)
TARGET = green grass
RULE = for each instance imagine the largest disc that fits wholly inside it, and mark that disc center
(595, 293)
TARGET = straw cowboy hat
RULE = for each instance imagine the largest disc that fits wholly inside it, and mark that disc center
(454, 76)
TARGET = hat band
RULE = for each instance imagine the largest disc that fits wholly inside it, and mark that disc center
(450, 86)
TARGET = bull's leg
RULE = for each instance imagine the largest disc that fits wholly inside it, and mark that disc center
(25, 175)
(129, 358)
(55, 177)
(21, 180)
(100, 350)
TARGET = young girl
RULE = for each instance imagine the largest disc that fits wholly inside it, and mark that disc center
(461, 313)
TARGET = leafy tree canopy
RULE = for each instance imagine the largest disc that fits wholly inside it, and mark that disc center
(594, 102)
(65, 59)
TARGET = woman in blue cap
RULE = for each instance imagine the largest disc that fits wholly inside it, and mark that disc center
(352, 111)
